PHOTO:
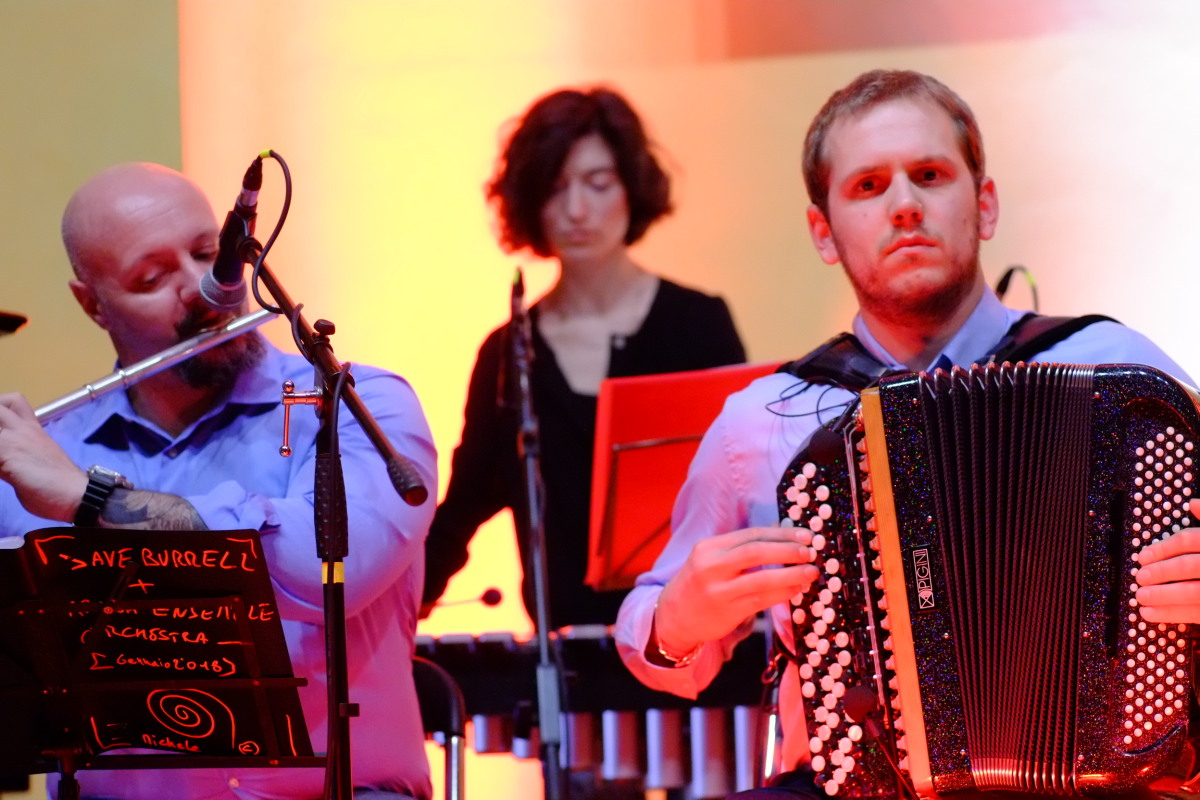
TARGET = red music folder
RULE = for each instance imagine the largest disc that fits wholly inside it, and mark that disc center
(647, 430)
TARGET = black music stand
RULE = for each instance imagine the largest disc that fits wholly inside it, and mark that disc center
(116, 640)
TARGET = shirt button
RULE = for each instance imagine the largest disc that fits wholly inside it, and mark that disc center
(234, 783)
(174, 451)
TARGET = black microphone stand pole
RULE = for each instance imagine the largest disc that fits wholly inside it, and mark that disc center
(329, 510)
(529, 449)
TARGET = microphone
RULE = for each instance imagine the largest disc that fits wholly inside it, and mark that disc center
(491, 597)
(223, 287)
(516, 346)
(859, 703)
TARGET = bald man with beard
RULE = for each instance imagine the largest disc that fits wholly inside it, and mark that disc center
(195, 447)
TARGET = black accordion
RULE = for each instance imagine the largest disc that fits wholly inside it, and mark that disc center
(975, 621)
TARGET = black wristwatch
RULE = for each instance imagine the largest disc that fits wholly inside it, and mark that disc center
(102, 482)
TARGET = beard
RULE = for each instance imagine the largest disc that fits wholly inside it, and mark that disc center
(911, 298)
(220, 366)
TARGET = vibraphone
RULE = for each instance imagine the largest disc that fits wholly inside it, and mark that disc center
(612, 723)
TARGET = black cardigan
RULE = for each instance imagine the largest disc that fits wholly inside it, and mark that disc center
(684, 330)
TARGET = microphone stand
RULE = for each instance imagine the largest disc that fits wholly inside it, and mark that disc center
(329, 507)
(529, 450)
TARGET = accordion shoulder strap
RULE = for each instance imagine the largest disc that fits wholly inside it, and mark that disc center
(843, 361)
(1033, 333)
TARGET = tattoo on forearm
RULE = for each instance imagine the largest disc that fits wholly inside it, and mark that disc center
(141, 510)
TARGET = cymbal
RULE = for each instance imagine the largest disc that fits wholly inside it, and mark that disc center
(9, 322)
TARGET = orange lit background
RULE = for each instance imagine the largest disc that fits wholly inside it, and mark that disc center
(389, 111)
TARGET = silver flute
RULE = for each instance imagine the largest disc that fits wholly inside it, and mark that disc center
(153, 365)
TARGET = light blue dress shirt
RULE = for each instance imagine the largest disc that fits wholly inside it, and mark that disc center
(733, 478)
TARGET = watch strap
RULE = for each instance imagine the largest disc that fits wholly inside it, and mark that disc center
(101, 484)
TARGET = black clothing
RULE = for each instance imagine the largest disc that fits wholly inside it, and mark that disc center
(683, 330)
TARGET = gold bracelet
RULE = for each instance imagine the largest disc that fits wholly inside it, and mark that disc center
(675, 662)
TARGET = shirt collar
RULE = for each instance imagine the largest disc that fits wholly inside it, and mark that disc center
(985, 327)
(112, 421)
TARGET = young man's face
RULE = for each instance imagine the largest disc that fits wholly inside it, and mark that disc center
(904, 218)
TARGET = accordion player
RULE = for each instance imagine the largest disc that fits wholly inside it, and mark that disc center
(975, 624)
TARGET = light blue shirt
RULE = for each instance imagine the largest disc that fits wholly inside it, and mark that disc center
(733, 478)
(227, 465)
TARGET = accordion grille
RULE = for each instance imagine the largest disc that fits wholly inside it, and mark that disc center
(1008, 469)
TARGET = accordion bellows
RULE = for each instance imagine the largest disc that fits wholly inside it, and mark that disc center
(978, 534)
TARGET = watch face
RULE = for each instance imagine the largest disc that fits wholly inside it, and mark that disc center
(108, 476)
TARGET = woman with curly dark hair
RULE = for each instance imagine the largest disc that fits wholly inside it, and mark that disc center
(577, 181)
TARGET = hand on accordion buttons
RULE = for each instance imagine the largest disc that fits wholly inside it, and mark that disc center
(723, 583)
(1169, 576)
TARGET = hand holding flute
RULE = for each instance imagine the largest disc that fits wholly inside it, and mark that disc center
(45, 479)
